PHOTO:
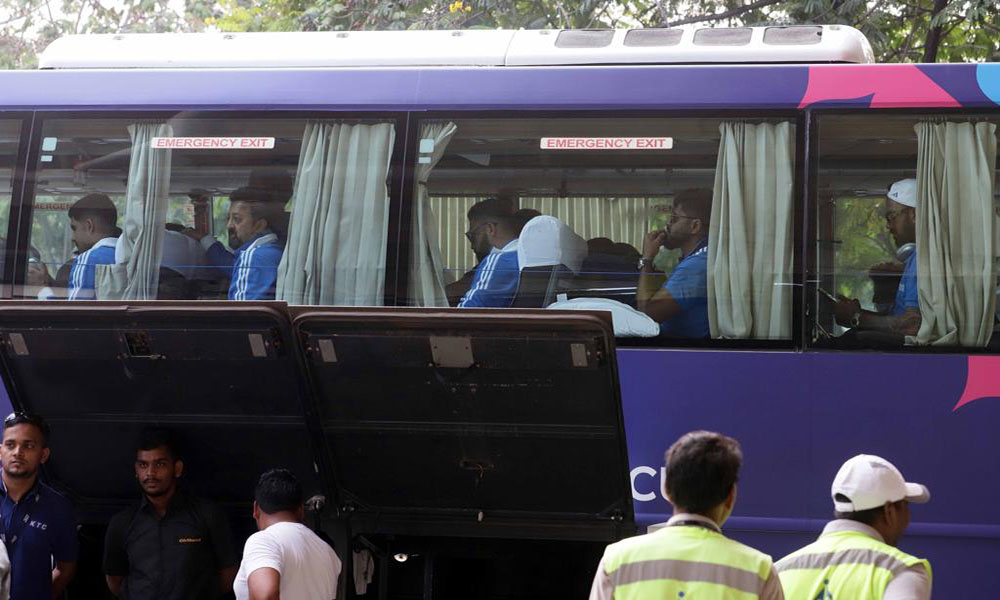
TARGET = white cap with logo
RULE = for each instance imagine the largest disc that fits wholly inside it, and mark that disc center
(869, 481)
(904, 191)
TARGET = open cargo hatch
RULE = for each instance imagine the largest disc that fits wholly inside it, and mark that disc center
(411, 422)
(471, 423)
(224, 377)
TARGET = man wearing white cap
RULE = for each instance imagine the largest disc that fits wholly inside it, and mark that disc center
(856, 556)
(904, 317)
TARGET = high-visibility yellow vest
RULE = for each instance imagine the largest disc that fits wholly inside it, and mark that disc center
(843, 565)
(685, 562)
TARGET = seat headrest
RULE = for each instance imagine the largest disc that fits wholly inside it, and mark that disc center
(546, 241)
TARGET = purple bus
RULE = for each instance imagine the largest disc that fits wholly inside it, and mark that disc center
(376, 154)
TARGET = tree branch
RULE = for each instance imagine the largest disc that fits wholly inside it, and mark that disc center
(933, 39)
(726, 14)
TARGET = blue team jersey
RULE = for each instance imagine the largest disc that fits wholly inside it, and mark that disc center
(906, 293)
(495, 281)
(688, 285)
(253, 269)
(38, 529)
(82, 273)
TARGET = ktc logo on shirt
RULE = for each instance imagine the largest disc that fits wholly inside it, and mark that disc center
(38, 525)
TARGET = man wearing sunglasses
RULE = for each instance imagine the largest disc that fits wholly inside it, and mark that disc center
(904, 316)
(492, 233)
(680, 305)
(37, 524)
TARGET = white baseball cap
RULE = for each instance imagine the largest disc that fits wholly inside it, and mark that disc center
(904, 191)
(869, 481)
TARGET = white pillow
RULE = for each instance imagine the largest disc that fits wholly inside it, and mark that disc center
(628, 322)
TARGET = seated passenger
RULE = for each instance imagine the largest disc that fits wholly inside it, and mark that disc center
(904, 316)
(492, 233)
(457, 289)
(681, 304)
(253, 266)
(93, 221)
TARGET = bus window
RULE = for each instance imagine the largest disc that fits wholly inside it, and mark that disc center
(616, 213)
(906, 232)
(10, 131)
(225, 208)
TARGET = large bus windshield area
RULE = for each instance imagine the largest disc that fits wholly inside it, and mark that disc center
(801, 256)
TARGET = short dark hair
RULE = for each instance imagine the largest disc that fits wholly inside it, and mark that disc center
(522, 216)
(495, 209)
(697, 202)
(868, 516)
(152, 438)
(262, 203)
(97, 207)
(278, 490)
(702, 468)
(21, 418)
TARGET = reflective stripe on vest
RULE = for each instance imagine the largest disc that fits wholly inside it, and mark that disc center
(685, 562)
(846, 565)
(859, 556)
(685, 570)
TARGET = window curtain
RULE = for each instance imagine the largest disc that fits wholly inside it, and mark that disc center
(750, 237)
(136, 274)
(337, 233)
(956, 278)
(426, 281)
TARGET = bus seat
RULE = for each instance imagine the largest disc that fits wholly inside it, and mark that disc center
(549, 254)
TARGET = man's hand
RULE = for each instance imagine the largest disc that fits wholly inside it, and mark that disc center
(38, 275)
(652, 242)
(194, 234)
(844, 310)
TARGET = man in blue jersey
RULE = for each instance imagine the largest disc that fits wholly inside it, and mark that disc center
(92, 220)
(493, 234)
(904, 316)
(680, 304)
(253, 266)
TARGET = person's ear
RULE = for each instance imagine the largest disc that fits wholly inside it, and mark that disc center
(256, 511)
(45, 454)
(178, 468)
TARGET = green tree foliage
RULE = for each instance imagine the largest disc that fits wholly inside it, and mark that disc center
(900, 30)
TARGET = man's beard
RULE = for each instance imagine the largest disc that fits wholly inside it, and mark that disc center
(22, 475)
(234, 241)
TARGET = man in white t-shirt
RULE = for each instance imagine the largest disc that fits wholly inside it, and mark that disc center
(285, 559)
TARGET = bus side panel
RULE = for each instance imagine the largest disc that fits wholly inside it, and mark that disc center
(799, 416)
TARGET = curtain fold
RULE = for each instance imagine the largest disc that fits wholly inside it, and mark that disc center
(426, 280)
(750, 237)
(956, 274)
(136, 272)
(338, 230)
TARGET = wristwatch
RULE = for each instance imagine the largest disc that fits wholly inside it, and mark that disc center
(643, 262)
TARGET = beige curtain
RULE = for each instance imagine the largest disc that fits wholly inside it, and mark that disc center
(338, 228)
(136, 274)
(750, 238)
(426, 280)
(956, 277)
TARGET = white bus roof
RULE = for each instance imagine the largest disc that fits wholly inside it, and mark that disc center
(488, 48)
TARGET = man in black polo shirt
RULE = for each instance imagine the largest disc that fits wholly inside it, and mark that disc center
(37, 524)
(171, 545)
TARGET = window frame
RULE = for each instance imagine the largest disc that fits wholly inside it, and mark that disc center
(798, 201)
(23, 203)
(16, 251)
(815, 117)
